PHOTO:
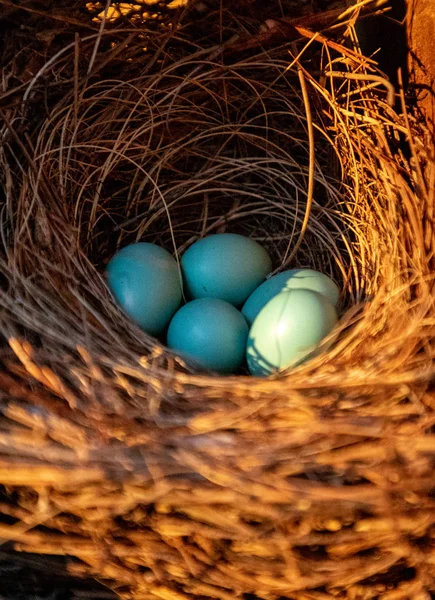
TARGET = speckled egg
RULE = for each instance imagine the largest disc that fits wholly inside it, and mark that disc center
(226, 266)
(287, 330)
(289, 280)
(210, 334)
(146, 282)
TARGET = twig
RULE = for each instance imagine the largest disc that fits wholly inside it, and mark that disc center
(366, 77)
(311, 165)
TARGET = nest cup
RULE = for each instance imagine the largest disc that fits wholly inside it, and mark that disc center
(163, 482)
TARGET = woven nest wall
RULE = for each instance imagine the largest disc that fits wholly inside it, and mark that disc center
(163, 482)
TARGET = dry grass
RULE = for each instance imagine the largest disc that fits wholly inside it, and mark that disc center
(171, 484)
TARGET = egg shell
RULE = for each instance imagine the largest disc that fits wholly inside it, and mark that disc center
(289, 280)
(227, 266)
(146, 282)
(287, 330)
(210, 334)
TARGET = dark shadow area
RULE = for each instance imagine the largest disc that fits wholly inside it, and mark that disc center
(24, 576)
(384, 36)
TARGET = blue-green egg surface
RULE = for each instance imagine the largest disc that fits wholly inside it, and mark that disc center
(287, 330)
(289, 280)
(209, 333)
(227, 266)
(145, 281)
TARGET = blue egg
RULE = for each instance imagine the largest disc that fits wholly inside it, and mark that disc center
(145, 281)
(225, 266)
(210, 334)
(289, 280)
(287, 331)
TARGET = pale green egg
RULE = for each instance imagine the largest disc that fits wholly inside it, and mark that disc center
(289, 280)
(287, 331)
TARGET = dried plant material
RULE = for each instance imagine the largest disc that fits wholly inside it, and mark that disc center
(177, 3)
(110, 14)
(163, 482)
(134, 11)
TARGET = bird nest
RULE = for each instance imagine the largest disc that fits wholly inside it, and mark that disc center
(163, 482)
